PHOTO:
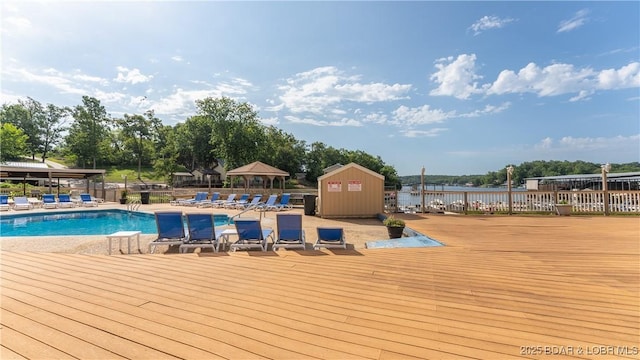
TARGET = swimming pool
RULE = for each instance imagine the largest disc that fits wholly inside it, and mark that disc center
(88, 222)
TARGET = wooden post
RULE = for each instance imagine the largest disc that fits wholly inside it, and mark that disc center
(422, 189)
(605, 188)
(509, 173)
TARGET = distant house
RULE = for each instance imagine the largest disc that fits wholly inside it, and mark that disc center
(200, 177)
(181, 178)
(332, 168)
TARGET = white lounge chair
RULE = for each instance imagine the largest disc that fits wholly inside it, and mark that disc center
(21, 203)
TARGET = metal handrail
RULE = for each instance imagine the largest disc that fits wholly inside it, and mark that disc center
(133, 204)
(250, 207)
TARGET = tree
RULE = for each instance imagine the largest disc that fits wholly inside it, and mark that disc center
(89, 131)
(283, 151)
(194, 142)
(52, 128)
(13, 142)
(139, 129)
(237, 135)
(42, 125)
(28, 116)
(166, 150)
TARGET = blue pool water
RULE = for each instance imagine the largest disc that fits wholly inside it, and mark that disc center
(88, 222)
(404, 242)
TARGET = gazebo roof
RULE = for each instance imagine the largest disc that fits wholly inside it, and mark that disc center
(257, 169)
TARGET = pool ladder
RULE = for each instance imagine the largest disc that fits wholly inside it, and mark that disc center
(133, 205)
(251, 207)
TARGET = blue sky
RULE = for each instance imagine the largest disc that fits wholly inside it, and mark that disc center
(456, 87)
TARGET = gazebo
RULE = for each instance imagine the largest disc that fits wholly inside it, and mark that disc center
(258, 169)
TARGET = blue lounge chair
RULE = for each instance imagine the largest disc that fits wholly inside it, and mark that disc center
(290, 234)
(49, 201)
(283, 205)
(253, 203)
(87, 200)
(209, 202)
(330, 238)
(222, 203)
(202, 233)
(4, 202)
(200, 196)
(271, 201)
(251, 235)
(21, 203)
(64, 200)
(233, 204)
(170, 229)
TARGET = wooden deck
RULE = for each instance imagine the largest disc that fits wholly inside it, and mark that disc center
(502, 288)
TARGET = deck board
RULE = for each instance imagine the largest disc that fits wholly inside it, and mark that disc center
(499, 285)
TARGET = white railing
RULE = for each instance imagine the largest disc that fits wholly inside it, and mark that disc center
(590, 202)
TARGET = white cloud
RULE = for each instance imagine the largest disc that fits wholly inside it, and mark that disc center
(272, 121)
(545, 144)
(558, 79)
(50, 77)
(16, 23)
(582, 95)
(569, 143)
(109, 97)
(552, 80)
(133, 76)
(579, 19)
(327, 87)
(177, 58)
(456, 77)
(337, 123)
(489, 22)
(488, 109)
(412, 133)
(420, 115)
(625, 77)
(408, 118)
(90, 79)
(375, 118)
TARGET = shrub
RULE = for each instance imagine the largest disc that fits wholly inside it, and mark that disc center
(392, 221)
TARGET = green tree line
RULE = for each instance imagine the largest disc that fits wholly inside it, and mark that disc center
(222, 131)
(538, 168)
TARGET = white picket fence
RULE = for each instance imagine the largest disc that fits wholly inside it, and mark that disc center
(585, 202)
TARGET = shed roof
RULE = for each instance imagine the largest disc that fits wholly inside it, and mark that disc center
(349, 166)
(257, 169)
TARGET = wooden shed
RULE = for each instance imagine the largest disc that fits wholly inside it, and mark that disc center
(350, 191)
